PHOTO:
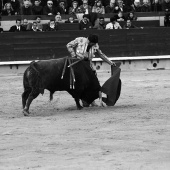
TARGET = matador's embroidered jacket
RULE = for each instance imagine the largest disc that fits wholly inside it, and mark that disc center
(78, 48)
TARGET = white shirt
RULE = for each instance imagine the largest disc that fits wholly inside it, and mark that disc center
(18, 28)
(116, 25)
(86, 12)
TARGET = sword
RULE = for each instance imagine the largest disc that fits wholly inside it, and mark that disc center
(104, 57)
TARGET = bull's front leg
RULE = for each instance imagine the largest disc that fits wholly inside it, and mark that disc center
(77, 100)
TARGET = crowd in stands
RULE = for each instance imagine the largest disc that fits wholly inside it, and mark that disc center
(84, 7)
(84, 24)
(54, 7)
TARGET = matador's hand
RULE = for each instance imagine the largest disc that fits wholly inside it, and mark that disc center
(114, 64)
(86, 58)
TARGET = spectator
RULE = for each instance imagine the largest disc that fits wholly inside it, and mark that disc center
(26, 9)
(52, 26)
(131, 16)
(34, 27)
(58, 3)
(166, 19)
(61, 9)
(71, 20)
(1, 29)
(74, 9)
(111, 7)
(58, 19)
(25, 23)
(70, 2)
(39, 24)
(18, 27)
(8, 10)
(166, 5)
(113, 24)
(85, 23)
(49, 9)
(129, 25)
(15, 5)
(85, 8)
(98, 7)
(120, 6)
(100, 24)
(37, 9)
(156, 6)
(120, 16)
(146, 6)
(136, 6)
(24, 1)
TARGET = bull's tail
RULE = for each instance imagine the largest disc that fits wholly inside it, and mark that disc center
(33, 66)
(27, 75)
(25, 79)
(32, 77)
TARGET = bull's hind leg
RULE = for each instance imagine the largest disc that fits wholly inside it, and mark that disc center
(25, 95)
(31, 97)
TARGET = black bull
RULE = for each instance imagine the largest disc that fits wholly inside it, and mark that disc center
(79, 81)
(47, 74)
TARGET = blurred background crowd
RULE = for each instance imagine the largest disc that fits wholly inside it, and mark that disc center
(54, 7)
(84, 12)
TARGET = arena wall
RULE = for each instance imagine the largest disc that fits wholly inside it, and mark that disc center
(136, 49)
(25, 46)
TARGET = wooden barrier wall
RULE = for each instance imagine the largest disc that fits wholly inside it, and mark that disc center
(114, 43)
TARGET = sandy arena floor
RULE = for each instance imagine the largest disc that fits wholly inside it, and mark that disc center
(132, 135)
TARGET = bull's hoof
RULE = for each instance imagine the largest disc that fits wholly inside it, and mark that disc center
(79, 107)
(26, 113)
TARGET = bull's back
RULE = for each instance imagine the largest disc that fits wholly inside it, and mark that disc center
(51, 72)
(50, 67)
